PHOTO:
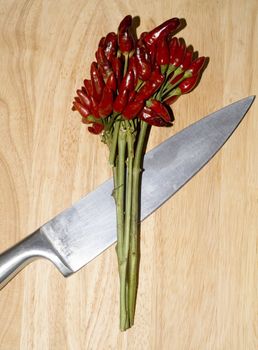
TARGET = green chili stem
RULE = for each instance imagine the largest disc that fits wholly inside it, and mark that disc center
(114, 170)
(134, 253)
(113, 148)
(119, 195)
(158, 94)
(129, 183)
(124, 324)
(139, 84)
(168, 88)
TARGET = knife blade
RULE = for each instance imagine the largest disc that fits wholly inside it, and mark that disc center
(79, 234)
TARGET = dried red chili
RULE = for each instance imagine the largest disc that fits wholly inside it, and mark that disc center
(125, 37)
(94, 107)
(133, 67)
(143, 63)
(97, 82)
(171, 100)
(150, 86)
(96, 128)
(84, 111)
(162, 56)
(111, 82)
(187, 59)
(105, 106)
(84, 98)
(162, 30)
(103, 62)
(152, 118)
(188, 84)
(88, 87)
(120, 101)
(133, 109)
(110, 45)
(177, 53)
(195, 67)
(160, 109)
(127, 82)
(102, 42)
(131, 96)
(117, 68)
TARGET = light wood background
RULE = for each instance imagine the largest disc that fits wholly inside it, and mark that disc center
(198, 285)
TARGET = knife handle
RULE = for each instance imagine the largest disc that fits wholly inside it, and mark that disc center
(32, 247)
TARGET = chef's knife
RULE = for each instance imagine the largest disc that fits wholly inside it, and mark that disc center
(78, 234)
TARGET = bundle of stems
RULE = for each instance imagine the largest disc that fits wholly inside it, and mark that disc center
(126, 157)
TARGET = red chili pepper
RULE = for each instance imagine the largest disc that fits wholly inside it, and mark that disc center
(184, 87)
(110, 45)
(152, 53)
(94, 107)
(143, 63)
(174, 79)
(127, 82)
(133, 67)
(84, 98)
(97, 82)
(102, 72)
(151, 50)
(150, 117)
(151, 86)
(120, 101)
(188, 84)
(185, 64)
(195, 67)
(84, 111)
(160, 109)
(132, 109)
(171, 100)
(111, 82)
(162, 55)
(131, 96)
(103, 62)
(76, 99)
(177, 53)
(117, 68)
(125, 37)
(106, 103)
(141, 38)
(173, 46)
(96, 128)
(102, 42)
(187, 59)
(161, 31)
(88, 87)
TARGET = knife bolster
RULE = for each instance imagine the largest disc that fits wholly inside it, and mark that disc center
(20, 255)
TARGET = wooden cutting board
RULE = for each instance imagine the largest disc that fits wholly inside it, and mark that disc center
(198, 283)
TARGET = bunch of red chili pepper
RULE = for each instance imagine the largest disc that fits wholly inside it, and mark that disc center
(137, 78)
(132, 82)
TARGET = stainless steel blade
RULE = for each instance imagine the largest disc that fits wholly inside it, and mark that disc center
(80, 233)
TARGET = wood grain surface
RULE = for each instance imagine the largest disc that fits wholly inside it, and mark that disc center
(198, 278)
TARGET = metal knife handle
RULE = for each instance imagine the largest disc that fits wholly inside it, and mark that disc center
(34, 246)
